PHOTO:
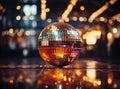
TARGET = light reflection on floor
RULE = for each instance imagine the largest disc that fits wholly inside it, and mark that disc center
(82, 74)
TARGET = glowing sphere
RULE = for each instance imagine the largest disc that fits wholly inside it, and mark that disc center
(59, 44)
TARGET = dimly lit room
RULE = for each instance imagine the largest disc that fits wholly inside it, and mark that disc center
(59, 44)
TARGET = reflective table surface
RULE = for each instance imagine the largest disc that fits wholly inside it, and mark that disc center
(82, 74)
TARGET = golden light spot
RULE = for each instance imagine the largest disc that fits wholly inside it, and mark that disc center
(47, 10)
(81, 19)
(109, 35)
(11, 30)
(99, 82)
(109, 80)
(74, 18)
(84, 36)
(82, 8)
(11, 81)
(18, 7)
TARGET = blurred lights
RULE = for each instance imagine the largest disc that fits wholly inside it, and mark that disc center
(47, 10)
(43, 9)
(81, 19)
(89, 47)
(59, 86)
(74, 18)
(110, 21)
(26, 10)
(2, 8)
(116, 17)
(112, 1)
(110, 77)
(91, 73)
(115, 85)
(11, 81)
(19, 39)
(69, 9)
(115, 30)
(27, 33)
(46, 86)
(24, 18)
(99, 82)
(18, 7)
(85, 78)
(65, 14)
(18, 17)
(84, 36)
(33, 9)
(28, 80)
(98, 33)
(30, 10)
(110, 37)
(34, 23)
(60, 19)
(20, 33)
(109, 80)
(69, 79)
(49, 20)
(63, 78)
(20, 77)
(30, 32)
(85, 19)
(31, 17)
(96, 83)
(11, 30)
(61, 75)
(25, 52)
(98, 12)
(39, 82)
(67, 19)
(102, 19)
(78, 72)
(82, 8)
(91, 38)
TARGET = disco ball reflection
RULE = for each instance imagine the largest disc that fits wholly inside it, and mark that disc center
(59, 44)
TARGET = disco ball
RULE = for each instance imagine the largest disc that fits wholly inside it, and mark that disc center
(59, 44)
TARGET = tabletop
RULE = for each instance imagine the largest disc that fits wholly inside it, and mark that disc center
(82, 74)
